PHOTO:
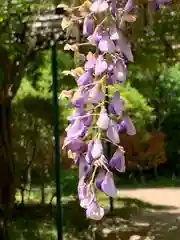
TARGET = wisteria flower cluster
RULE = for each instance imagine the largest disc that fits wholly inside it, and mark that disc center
(99, 115)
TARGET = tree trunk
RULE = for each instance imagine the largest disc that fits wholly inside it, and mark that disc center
(42, 193)
(42, 184)
(156, 172)
(6, 169)
(29, 182)
(22, 195)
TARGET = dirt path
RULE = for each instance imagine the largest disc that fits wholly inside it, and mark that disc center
(157, 196)
(149, 214)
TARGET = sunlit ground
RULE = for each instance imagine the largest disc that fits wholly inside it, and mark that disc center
(140, 214)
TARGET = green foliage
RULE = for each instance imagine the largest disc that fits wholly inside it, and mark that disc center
(40, 74)
(35, 93)
(33, 118)
(161, 88)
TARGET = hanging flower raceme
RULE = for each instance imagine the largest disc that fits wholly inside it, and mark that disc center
(95, 121)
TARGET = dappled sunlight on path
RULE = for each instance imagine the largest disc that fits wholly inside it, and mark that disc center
(150, 214)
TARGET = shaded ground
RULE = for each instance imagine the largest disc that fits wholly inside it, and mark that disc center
(147, 214)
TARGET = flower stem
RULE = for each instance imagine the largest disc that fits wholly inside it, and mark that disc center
(93, 175)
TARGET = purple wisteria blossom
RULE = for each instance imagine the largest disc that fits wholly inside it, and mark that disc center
(120, 71)
(79, 98)
(118, 161)
(76, 129)
(103, 120)
(129, 6)
(99, 6)
(112, 132)
(99, 114)
(89, 157)
(85, 193)
(99, 179)
(94, 211)
(106, 45)
(100, 66)
(108, 186)
(97, 149)
(88, 26)
(117, 104)
(85, 79)
(96, 94)
(124, 47)
(90, 63)
(95, 37)
(127, 126)
(83, 167)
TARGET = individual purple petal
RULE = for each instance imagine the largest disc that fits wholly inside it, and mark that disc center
(111, 109)
(127, 125)
(78, 102)
(121, 127)
(83, 134)
(108, 186)
(88, 26)
(124, 47)
(82, 189)
(76, 129)
(76, 113)
(113, 33)
(89, 172)
(110, 68)
(103, 120)
(85, 193)
(110, 79)
(79, 98)
(106, 45)
(112, 132)
(118, 161)
(82, 167)
(100, 66)
(87, 119)
(117, 103)
(97, 149)
(99, 179)
(94, 211)
(84, 79)
(113, 9)
(120, 72)
(87, 200)
(88, 156)
(90, 64)
(95, 37)
(75, 145)
(129, 6)
(96, 94)
(99, 6)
